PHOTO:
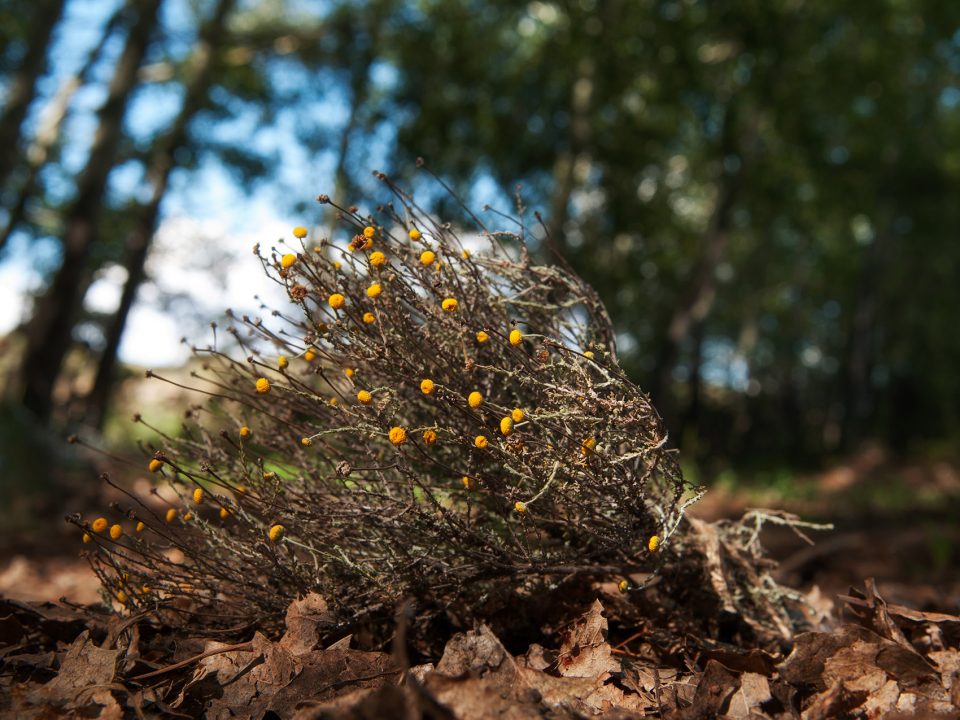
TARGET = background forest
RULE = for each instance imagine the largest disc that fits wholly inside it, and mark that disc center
(765, 193)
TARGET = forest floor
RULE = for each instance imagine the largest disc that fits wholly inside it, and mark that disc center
(883, 589)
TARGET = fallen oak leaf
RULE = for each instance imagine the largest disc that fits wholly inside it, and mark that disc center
(584, 650)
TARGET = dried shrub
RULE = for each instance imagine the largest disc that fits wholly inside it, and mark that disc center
(433, 421)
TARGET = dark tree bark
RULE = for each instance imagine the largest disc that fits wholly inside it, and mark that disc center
(696, 303)
(163, 162)
(48, 133)
(24, 83)
(48, 333)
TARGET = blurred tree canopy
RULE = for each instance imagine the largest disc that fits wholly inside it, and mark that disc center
(763, 192)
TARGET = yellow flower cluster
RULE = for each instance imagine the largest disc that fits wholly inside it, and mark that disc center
(262, 386)
(449, 304)
(398, 435)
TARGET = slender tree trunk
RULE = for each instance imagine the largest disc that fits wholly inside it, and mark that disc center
(49, 330)
(163, 162)
(859, 353)
(24, 83)
(697, 302)
(565, 167)
(51, 122)
(359, 84)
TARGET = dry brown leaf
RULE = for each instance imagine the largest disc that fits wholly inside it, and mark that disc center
(306, 619)
(584, 651)
(754, 691)
(84, 675)
(478, 653)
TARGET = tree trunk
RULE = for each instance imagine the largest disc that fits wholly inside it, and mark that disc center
(24, 83)
(695, 306)
(565, 167)
(49, 331)
(163, 162)
(51, 121)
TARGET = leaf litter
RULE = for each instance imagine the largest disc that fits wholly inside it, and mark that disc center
(883, 661)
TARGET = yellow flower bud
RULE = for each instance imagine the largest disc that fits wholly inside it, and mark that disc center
(474, 399)
(398, 436)
(364, 397)
(288, 260)
(427, 257)
(516, 337)
(263, 386)
(276, 533)
(426, 386)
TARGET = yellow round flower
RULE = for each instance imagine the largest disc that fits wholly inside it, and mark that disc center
(426, 386)
(306, 442)
(429, 437)
(520, 507)
(588, 354)
(245, 432)
(300, 232)
(99, 525)
(588, 445)
(474, 399)
(116, 532)
(465, 254)
(336, 265)
(506, 425)
(369, 232)
(653, 543)
(276, 533)
(262, 386)
(364, 397)
(288, 261)
(336, 301)
(282, 362)
(518, 415)
(155, 465)
(141, 526)
(427, 257)
(198, 496)
(481, 441)
(398, 436)
(374, 290)
(349, 372)
(468, 483)
(516, 337)
(171, 515)
(122, 597)
(377, 258)
(87, 538)
(369, 318)
(310, 355)
(449, 304)
(623, 586)
(224, 513)
(187, 516)
(414, 234)
(482, 337)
